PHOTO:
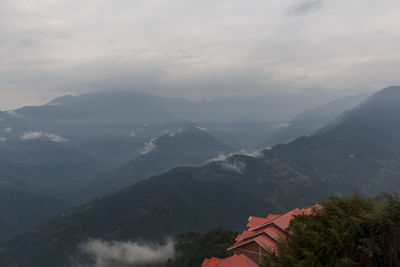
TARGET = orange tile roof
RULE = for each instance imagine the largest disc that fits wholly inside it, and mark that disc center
(275, 232)
(272, 227)
(265, 242)
(263, 231)
(213, 262)
(283, 220)
(238, 261)
(311, 209)
(255, 222)
(234, 261)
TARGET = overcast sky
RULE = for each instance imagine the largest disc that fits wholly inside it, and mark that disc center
(195, 48)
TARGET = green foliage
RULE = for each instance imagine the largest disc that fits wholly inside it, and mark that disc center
(351, 230)
(193, 248)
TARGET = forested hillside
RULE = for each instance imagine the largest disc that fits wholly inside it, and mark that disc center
(361, 153)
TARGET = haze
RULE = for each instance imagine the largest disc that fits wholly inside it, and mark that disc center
(196, 49)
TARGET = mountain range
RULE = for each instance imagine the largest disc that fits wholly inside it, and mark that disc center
(361, 151)
(192, 146)
(310, 121)
(113, 127)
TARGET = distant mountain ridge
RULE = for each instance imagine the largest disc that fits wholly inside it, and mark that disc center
(308, 122)
(186, 147)
(57, 147)
(362, 152)
(91, 121)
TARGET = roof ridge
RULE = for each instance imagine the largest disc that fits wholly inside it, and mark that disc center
(266, 224)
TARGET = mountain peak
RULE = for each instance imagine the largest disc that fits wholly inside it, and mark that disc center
(190, 137)
(391, 94)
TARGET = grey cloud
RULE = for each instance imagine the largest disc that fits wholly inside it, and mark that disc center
(305, 7)
(115, 253)
(194, 49)
(149, 146)
(34, 135)
(229, 163)
(236, 166)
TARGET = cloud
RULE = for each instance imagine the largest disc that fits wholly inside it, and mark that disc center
(220, 157)
(223, 157)
(254, 154)
(132, 133)
(178, 131)
(33, 135)
(13, 113)
(113, 254)
(305, 7)
(229, 163)
(149, 146)
(235, 166)
(195, 49)
(8, 130)
(2, 139)
(200, 128)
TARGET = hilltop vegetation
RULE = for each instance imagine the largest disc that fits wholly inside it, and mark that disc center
(351, 230)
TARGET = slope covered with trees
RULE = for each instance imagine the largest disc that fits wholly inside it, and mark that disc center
(192, 146)
(309, 121)
(350, 230)
(22, 208)
(361, 152)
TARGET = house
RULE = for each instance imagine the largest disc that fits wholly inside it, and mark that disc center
(234, 261)
(262, 236)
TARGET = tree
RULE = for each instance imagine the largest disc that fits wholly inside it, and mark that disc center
(350, 230)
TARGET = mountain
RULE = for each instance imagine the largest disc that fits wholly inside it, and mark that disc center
(47, 163)
(56, 147)
(44, 163)
(245, 109)
(113, 127)
(246, 135)
(37, 179)
(192, 146)
(39, 171)
(361, 152)
(308, 122)
(22, 208)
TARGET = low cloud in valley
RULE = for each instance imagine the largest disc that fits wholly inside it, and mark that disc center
(115, 253)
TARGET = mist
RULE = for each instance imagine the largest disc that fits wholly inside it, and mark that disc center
(116, 253)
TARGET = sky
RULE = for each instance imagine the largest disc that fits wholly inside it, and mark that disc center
(198, 49)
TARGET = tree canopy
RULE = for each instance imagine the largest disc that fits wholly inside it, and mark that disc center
(350, 230)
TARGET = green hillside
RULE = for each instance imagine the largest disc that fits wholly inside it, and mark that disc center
(22, 208)
(362, 152)
(192, 146)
